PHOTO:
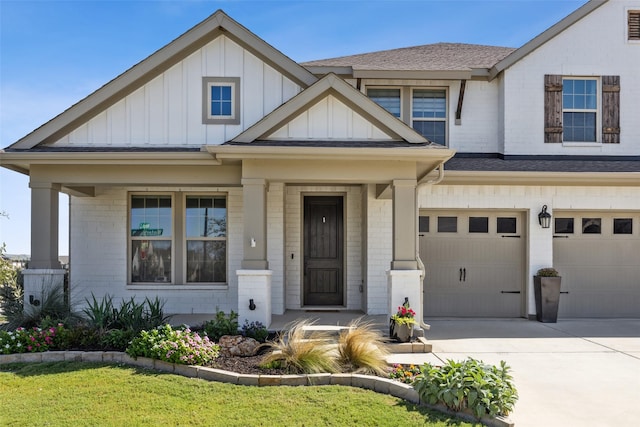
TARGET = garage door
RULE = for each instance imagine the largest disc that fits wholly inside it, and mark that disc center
(474, 263)
(598, 257)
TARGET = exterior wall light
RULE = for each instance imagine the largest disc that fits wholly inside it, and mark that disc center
(544, 218)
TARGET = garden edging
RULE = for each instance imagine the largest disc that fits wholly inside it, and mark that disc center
(368, 382)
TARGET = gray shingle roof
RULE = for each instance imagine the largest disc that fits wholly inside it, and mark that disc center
(430, 57)
(542, 165)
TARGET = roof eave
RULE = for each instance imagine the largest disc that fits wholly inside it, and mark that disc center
(529, 178)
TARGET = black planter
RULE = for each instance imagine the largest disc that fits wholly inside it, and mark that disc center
(547, 293)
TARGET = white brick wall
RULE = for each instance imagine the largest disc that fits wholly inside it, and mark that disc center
(379, 251)
(98, 249)
(275, 244)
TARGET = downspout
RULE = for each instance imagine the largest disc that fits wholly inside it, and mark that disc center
(423, 270)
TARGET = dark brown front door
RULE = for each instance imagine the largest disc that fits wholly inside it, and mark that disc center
(323, 250)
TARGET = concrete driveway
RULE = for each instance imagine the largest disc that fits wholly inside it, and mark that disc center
(570, 373)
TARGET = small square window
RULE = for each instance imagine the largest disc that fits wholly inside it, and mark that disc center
(423, 224)
(221, 100)
(622, 226)
(478, 224)
(564, 225)
(447, 224)
(506, 225)
(591, 226)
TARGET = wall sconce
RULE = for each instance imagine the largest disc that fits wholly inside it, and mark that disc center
(544, 218)
(252, 242)
(34, 301)
(252, 305)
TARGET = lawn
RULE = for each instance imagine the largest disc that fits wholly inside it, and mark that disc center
(83, 394)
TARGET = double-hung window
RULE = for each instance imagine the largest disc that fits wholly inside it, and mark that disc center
(389, 99)
(579, 109)
(429, 114)
(221, 100)
(178, 238)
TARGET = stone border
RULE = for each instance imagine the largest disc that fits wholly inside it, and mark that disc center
(368, 382)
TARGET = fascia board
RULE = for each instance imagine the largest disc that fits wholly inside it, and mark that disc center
(414, 74)
(217, 24)
(8, 159)
(545, 36)
(597, 179)
(334, 85)
(323, 70)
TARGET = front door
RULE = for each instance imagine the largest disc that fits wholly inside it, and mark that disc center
(323, 251)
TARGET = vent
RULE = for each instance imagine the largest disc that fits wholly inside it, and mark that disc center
(634, 25)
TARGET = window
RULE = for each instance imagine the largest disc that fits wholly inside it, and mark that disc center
(633, 25)
(161, 252)
(151, 239)
(389, 99)
(429, 114)
(622, 226)
(506, 225)
(206, 230)
(447, 224)
(591, 225)
(423, 224)
(478, 224)
(564, 225)
(221, 100)
(579, 109)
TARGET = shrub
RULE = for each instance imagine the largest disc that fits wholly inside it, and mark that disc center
(301, 354)
(404, 375)
(547, 272)
(255, 330)
(11, 299)
(176, 346)
(30, 340)
(484, 389)
(223, 324)
(361, 349)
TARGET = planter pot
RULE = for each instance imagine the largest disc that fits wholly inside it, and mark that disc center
(401, 332)
(547, 293)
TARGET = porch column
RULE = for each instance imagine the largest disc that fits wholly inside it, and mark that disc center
(404, 225)
(255, 224)
(44, 225)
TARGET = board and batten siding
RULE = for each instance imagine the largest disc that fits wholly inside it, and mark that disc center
(167, 111)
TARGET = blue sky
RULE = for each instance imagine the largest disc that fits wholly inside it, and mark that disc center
(54, 53)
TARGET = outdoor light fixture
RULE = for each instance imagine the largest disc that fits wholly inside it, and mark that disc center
(544, 218)
(252, 305)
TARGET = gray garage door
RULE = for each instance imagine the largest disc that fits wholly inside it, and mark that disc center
(598, 257)
(474, 263)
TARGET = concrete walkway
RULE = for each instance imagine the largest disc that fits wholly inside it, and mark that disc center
(570, 373)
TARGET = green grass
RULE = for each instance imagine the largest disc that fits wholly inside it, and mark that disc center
(83, 394)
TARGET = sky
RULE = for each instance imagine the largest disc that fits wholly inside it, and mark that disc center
(55, 53)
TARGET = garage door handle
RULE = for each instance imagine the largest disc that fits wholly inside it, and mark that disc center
(513, 237)
(560, 237)
(565, 292)
(464, 274)
(460, 279)
(509, 292)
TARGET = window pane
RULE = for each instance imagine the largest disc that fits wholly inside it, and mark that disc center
(423, 224)
(622, 226)
(433, 131)
(221, 100)
(389, 99)
(591, 225)
(206, 217)
(151, 261)
(206, 261)
(447, 224)
(564, 225)
(506, 225)
(151, 216)
(478, 224)
(429, 103)
(579, 127)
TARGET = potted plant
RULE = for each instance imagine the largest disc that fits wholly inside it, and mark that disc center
(402, 322)
(546, 286)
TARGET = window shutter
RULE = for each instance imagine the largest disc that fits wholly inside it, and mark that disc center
(552, 108)
(634, 25)
(611, 109)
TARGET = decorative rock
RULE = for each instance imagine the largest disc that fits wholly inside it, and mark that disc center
(237, 345)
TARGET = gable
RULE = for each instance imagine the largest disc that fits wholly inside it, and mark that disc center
(165, 68)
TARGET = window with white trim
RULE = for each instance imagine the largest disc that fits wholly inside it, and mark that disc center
(429, 114)
(221, 100)
(387, 98)
(178, 238)
(579, 109)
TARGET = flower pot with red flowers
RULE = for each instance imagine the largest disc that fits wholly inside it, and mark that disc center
(401, 324)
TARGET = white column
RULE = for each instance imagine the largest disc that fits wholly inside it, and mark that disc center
(254, 285)
(540, 250)
(403, 284)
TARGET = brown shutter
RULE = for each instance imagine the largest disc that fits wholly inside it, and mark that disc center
(611, 109)
(634, 25)
(552, 108)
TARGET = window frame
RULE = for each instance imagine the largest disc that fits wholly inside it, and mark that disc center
(444, 120)
(400, 91)
(234, 84)
(597, 111)
(178, 239)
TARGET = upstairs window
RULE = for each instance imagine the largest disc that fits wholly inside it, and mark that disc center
(221, 100)
(633, 25)
(579, 109)
(429, 114)
(389, 99)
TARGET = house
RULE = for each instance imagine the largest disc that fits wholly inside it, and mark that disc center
(218, 172)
